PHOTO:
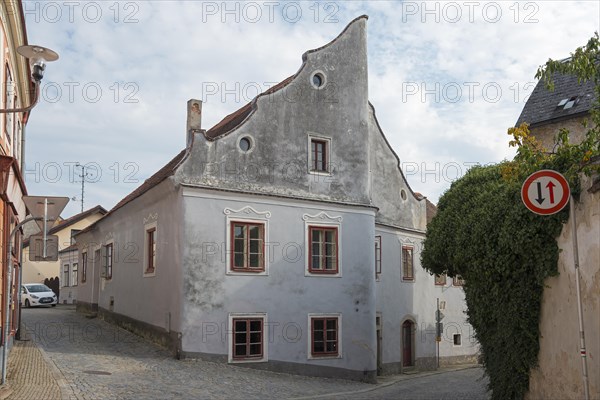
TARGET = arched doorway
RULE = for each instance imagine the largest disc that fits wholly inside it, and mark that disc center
(408, 337)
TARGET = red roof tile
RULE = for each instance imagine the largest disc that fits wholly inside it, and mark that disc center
(154, 180)
(234, 119)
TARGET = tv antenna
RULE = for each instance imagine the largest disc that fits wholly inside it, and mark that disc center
(83, 175)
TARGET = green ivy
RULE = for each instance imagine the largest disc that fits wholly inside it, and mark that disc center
(503, 251)
(484, 233)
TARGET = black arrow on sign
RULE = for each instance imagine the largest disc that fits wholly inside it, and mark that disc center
(540, 199)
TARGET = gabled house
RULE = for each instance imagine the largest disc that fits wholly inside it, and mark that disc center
(65, 229)
(285, 237)
(560, 374)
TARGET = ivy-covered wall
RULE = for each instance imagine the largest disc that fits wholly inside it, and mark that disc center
(504, 252)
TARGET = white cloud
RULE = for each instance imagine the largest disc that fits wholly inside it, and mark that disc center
(169, 52)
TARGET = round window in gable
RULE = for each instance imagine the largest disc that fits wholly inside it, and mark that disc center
(318, 80)
(403, 194)
(245, 144)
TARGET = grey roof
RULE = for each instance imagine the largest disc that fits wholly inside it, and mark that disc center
(542, 107)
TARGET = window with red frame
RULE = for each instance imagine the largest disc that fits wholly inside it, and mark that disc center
(377, 256)
(324, 335)
(458, 281)
(440, 280)
(247, 243)
(247, 338)
(151, 249)
(319, 160)
(323, 257)
(408, 271)
(83, 267)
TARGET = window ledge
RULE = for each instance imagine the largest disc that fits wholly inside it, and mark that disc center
(323, 275)
(247, 273)
(248, 360)
(321, 173)
(324, 357)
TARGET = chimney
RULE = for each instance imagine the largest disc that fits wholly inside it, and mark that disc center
(194, 119)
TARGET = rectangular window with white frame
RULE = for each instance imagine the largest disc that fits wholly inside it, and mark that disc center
(323, 250)
(247, 337)
(408, 270)
(377, 256)
(440, 280)
(325, 336)
(74, 275)
(323, 245)
(319, 154)
(108, 261)
(65, 275)
(84, 264)
(457, 340)
(246, 246)
(458, 281)
(150, 240)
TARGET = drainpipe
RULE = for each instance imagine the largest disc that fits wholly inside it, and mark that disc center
(582, 350)
(22, 155)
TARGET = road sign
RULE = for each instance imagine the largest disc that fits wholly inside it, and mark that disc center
(42, 206)
(439, 315)
(545, 192)
(36, 248)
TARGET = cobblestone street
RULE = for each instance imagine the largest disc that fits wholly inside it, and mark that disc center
(95, 360)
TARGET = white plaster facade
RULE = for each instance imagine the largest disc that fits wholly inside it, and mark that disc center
(69, 275)
(258, 170)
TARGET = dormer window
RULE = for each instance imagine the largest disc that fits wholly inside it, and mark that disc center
(568, 102)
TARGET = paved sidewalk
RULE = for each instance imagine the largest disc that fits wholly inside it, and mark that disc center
(30, 375)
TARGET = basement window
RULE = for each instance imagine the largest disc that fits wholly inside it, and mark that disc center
(457, 339)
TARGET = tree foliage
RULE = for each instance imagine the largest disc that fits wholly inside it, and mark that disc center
(504, 252)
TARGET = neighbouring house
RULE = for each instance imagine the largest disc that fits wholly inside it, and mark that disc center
(65, 229)
(285, 237)
(69, 269)
(559, 374)
(17, 92)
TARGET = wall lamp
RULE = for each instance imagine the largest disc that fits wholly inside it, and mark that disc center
(38, 57)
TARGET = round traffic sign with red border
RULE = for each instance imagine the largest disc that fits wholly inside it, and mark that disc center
(545, 192)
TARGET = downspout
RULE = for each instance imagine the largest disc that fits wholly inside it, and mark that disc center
(22, 155)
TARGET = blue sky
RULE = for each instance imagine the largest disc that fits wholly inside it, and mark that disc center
(446, 78)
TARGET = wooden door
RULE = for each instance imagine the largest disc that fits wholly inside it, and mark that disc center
(407, 344)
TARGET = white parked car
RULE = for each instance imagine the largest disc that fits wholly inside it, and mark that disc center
(37, 294)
